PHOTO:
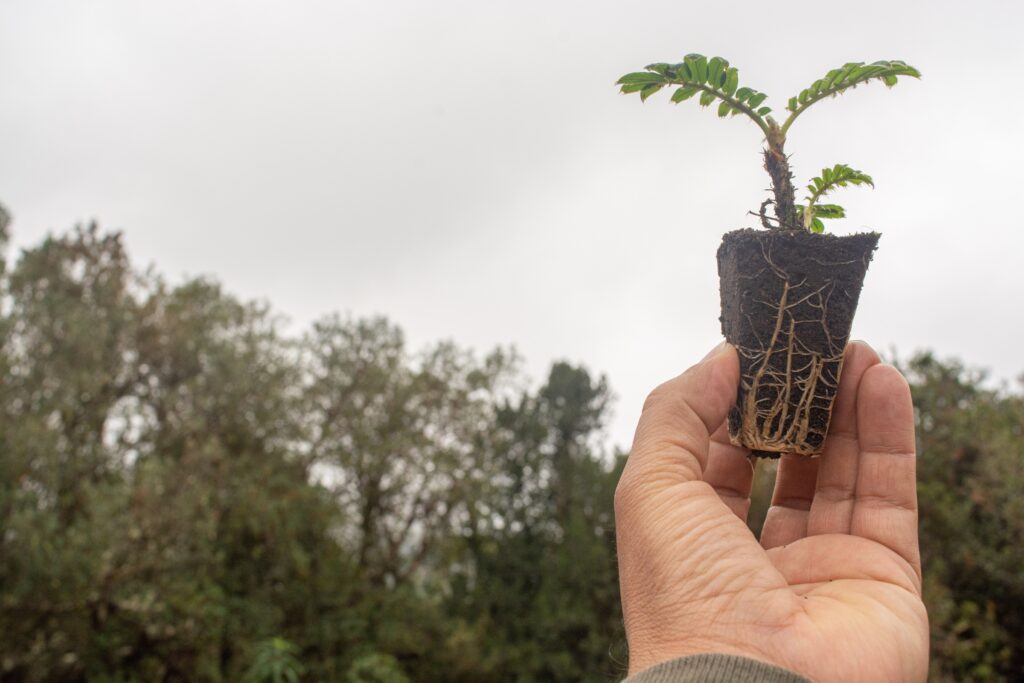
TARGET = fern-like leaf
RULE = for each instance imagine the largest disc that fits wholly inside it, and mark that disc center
(850, 75)
(839, 175)
(712, 77)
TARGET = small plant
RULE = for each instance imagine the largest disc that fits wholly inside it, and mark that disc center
(789, 293)
(717, 81)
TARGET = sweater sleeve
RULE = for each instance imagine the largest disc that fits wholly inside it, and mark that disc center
(712, 668)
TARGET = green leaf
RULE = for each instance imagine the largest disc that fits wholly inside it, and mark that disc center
(684, 93)
(829, 211)
(715, 68)
(732, 79)
(763, 111)
(698, 65)
(724, 109)
(659, 68)
(706, 98)
(641, 77)
(817, 227)
(633, 87)
(757, 98)
(793, 104)
(742, 94)
(649, 90)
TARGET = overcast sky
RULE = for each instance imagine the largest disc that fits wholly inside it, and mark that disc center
(468, 169)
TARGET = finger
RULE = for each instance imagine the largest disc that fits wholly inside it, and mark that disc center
(786, 520)
(730, 472)
(679, 416)
(832, 507)
(885, 503)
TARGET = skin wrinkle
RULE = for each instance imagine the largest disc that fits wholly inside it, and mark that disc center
(671, 448)
(672, 470)
(684, 439)
(835, 493)
(876, 501)
(860, 607)
(729, 492)
(887, 451)
(801, 562)
(913, 566)
(800, 504)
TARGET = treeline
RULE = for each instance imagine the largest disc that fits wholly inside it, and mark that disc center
(189, 494)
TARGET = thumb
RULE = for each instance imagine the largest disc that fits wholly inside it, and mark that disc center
(679, 416)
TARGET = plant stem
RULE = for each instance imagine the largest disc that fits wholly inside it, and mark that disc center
(777, 165)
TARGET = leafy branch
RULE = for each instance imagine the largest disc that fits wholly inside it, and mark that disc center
(839, 175)
(837, 81)
(713, 78)
(716, 80)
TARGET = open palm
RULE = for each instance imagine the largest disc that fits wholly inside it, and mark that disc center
(832, 590)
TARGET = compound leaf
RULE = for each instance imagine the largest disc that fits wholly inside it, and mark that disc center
(850, 75)
(649, 90)
(712, 77)
(839, 175)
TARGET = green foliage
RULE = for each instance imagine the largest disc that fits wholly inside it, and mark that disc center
(850, 75)
(716, 80)
(713, 78)
(839, 175)
(274, 661)
(376, 668)
(5, 221)
(971, 472)
(187, 493)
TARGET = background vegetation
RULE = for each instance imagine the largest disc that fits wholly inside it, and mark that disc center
(189, 494)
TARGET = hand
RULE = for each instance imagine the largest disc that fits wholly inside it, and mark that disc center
(832, 591)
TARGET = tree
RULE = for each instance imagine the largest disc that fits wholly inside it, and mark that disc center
(971, 471)
(188, 493)
(539, 586)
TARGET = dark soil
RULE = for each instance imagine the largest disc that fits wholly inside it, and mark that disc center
(788, 299)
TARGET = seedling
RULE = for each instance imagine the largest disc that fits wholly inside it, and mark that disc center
(788, 292)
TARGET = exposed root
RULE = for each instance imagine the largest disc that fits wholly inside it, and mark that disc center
(788, 386)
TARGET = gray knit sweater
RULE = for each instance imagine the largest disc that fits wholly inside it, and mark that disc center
(716, 669)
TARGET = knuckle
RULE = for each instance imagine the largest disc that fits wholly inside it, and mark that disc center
(626, 495)
(655, 397)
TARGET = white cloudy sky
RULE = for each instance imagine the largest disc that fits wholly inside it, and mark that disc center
(467, 168)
